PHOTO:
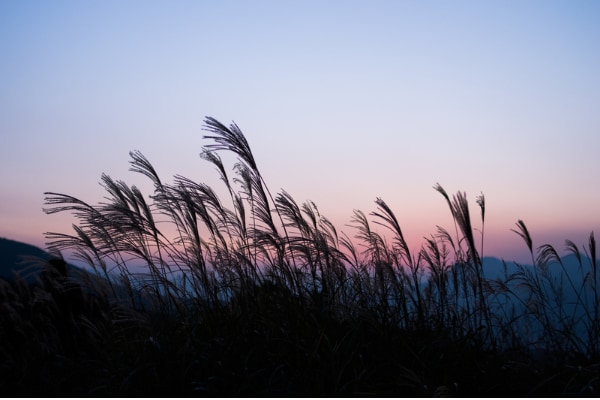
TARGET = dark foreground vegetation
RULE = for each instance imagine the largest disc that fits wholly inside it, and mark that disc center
(257, 295)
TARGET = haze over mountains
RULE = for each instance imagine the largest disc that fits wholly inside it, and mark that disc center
(18, 257)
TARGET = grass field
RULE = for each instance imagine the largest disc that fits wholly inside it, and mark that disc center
(257, 295)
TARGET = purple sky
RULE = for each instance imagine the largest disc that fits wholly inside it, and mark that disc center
(341, 102)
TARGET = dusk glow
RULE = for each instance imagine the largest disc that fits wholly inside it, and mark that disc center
(341, 102)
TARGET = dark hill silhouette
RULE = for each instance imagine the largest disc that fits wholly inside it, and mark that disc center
(34, 266)
(29, 262)
(17, 258)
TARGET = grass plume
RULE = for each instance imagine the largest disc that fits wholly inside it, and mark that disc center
(257, 294)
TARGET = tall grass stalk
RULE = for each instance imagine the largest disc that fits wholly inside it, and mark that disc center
(185, 254)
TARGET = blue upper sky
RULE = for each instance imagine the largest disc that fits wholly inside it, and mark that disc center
(341, 101)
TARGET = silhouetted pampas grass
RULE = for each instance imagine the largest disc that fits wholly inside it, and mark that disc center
(257, 294)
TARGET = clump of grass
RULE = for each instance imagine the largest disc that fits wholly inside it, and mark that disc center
(257, 294)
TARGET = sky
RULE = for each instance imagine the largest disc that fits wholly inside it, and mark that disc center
(341, 101)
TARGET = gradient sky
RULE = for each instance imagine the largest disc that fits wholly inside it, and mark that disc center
(341, 102)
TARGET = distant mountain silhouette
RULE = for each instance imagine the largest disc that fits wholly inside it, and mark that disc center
(17, 258)
(28, 262)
